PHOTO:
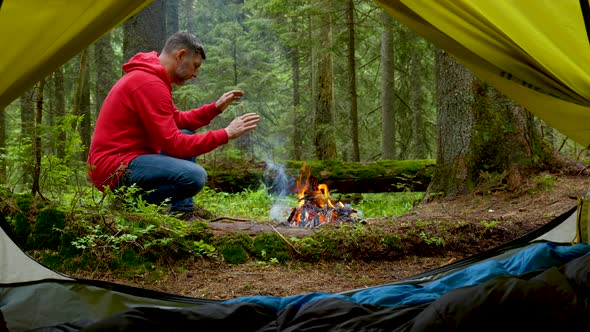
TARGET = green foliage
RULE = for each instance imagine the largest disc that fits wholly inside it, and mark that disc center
(347, 242)
(234, 248)
(234, 254)
(253, 204)
(388, 205)
(36, 224)
(49, 227)
(490, 224)
(544, 181)
(432, 240)
(267, 246)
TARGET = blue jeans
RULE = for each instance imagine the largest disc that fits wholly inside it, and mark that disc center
(166, 177)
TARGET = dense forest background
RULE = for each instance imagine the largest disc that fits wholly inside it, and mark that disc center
(332, 80)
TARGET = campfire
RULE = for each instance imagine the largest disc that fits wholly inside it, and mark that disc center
(316, 207)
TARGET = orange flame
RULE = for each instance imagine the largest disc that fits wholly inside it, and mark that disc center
(306, 185)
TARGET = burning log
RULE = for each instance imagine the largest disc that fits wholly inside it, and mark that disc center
(315, 207)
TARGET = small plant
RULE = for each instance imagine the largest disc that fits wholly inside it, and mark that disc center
(267, 246)
(490, 224)
(200, 248)
(432, 240)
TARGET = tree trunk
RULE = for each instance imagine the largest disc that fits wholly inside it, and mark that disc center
(27, 117)
(297, 133)
(27, 113)
(189, 12)
(486, 142)
(36, 147)
(172, 16)
(2, 144)
(104, 57)
(388, 147)
(324, 127)
(313, 68)
(354, 122)
(85, 128)
(420, 133)
(145, 32)
(60, 111)
(78, 107)
(505, 143)
(454, 100)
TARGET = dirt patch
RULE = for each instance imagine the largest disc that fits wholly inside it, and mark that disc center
(510, 215)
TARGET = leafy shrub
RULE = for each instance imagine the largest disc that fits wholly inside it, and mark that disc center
(49, 226)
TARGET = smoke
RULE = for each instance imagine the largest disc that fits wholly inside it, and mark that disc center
(279, 187)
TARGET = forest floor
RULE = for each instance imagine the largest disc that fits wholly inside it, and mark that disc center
(513, 214)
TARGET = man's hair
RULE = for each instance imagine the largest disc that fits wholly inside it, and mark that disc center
(184, 40)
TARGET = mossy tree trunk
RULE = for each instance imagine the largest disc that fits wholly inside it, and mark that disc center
(485, 141)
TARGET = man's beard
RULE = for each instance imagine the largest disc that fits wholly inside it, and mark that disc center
(180, 73)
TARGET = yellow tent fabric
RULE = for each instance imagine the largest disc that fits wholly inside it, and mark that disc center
(537, 52)
(38, 36)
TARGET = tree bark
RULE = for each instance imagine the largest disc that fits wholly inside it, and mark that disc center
(27, 117)
(60, 111)
(486, 142)
(105, 75)
(324, 127)
(85, 128)
(2, 144)
(420, 134)
(36, 189)
(388, 145)
(145, 32)
(80, 107)
(354, 122)
(172, 16)
(297, 134)
(189, 12)
(454, 100)
(27, 113)
(505, 143)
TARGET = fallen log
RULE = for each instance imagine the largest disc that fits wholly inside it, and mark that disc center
(342, 177)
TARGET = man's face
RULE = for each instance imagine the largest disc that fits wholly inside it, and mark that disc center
(187, 67)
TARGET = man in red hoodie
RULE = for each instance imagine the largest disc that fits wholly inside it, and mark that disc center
(138, 138)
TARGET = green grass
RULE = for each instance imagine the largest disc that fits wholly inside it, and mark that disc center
(256, 205)
(388, 204)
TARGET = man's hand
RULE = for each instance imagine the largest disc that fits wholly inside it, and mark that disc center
(229, 97)
(242, 124)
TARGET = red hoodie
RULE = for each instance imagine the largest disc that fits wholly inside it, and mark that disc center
(139, 117)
